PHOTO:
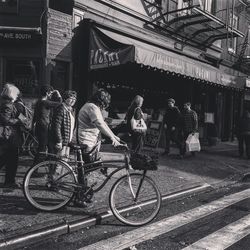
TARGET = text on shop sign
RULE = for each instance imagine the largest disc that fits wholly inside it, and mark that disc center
(17, 36)
(103, 58)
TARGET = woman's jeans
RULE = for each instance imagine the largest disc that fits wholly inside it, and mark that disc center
(137, 141)
(42, 135)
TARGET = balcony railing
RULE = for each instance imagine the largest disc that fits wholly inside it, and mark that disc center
(192, 23)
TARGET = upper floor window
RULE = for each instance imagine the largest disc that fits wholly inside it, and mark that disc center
(77, 17)
(182, 4)
(205, 5)
(232, 41)
(9, 6)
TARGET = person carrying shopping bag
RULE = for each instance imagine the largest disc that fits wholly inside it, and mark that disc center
(136, 124)
(189, 124)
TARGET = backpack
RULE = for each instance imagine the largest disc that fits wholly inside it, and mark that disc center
(27, 116)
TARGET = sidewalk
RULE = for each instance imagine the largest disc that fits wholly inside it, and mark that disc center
(212, 167)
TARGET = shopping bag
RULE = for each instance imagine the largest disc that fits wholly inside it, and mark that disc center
(193, 143)
(138, 125)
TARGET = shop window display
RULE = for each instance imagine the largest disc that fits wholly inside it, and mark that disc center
(24, 74)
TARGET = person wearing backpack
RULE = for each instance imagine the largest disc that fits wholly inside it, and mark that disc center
(9, 133)
(135, 114)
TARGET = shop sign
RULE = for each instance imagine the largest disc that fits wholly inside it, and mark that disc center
(17, 36)
(153, 133)
(105, 52)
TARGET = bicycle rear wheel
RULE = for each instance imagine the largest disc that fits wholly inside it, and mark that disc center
(135, 211)
(32, 147)
(49, 185)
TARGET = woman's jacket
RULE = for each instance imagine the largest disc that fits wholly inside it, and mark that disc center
(61, 125)
(9, 117)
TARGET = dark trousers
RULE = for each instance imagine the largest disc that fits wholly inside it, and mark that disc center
(9, 159)
(137, 141)
(175, 137)
(42, 135)
(244, 139)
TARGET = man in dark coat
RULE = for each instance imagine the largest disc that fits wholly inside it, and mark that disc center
(244, 134)
(172, 126)
(189, 123)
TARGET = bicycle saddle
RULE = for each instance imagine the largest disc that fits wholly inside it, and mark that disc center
(77, 146)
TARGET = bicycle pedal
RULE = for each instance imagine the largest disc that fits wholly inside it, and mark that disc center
(104, 171)
(78, 203)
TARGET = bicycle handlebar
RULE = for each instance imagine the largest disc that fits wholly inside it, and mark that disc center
(123, 145)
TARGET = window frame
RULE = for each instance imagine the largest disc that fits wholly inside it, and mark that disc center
(78, 13)
(234, 25)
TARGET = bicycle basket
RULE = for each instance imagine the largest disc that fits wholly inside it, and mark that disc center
(143, 162)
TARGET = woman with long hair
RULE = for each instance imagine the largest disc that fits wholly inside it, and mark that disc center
(135, 111)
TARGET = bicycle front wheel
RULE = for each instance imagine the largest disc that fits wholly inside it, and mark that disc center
(135, 199)
(49, 185)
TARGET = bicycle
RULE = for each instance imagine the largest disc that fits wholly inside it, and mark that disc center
(29, 143)
(134, 198)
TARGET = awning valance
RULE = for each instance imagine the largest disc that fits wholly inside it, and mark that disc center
(109, 49)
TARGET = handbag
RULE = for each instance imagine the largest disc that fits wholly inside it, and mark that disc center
(138, 125)
(193, 143)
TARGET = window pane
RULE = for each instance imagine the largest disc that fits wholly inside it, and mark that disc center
(24, 74)
(9, 6)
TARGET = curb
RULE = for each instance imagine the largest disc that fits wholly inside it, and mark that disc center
(67, 227)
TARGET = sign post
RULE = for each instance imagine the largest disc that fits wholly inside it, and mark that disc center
(153, 134)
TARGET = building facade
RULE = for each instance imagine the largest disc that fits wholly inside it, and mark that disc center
(182, 49)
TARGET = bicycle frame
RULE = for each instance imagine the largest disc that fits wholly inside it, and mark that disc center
(80, 165)
(26, 136)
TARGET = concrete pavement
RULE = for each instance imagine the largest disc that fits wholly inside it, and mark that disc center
(212, 167)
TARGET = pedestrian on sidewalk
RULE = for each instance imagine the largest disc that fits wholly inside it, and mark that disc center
(172, 119)
(90, 126)
(10, 133)
(42, 118)
(189, 124)
(135, 112)
(63, 123)
(244, 134)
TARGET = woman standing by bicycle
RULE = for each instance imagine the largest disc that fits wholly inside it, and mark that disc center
(63, 123)
(91, 122)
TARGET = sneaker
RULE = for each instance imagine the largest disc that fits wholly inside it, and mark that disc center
(104, 171)
(79, 203)
(11, 185)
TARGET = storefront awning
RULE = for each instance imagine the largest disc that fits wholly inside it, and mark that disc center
(108, 49)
